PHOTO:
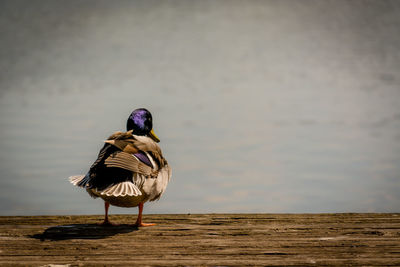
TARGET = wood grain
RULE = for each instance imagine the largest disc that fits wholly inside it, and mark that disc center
(203, 239)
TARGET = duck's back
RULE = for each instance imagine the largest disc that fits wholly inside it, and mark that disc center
(129, 168)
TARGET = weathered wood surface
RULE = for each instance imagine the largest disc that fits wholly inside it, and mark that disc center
(206, 239)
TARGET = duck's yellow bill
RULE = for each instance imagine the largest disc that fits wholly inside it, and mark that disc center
(154, 136)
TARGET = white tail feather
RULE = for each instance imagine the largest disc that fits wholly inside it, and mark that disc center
(122, 189)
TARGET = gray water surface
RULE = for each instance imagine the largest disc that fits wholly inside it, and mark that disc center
(261, 106)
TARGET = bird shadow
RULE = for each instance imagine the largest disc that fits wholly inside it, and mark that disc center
(83, 231)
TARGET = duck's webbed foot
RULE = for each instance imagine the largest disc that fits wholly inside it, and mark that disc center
(139, 222)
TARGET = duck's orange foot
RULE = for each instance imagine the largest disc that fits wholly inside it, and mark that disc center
(143, 224)
(138, 222)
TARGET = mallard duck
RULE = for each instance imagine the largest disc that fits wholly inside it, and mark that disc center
(130, 168)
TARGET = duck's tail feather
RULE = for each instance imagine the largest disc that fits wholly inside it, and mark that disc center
(79, 180)
(122, 189)
(118, 190)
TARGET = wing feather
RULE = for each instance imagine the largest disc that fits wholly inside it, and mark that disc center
(146, 144)
(127, 161)
(131, 144)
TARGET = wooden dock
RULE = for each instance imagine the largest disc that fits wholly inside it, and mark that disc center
(203, 239)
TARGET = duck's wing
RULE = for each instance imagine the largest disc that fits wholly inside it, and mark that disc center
(127, 161)
(123, 146)
(142, 147)
(147, 145)
(115, 164)
(135, 153)
(100, 176)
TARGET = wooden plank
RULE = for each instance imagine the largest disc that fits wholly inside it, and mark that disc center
(203, 239)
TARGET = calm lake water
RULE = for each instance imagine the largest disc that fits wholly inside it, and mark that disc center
(261, 106)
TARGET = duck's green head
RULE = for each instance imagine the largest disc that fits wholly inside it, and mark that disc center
(141, 123)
